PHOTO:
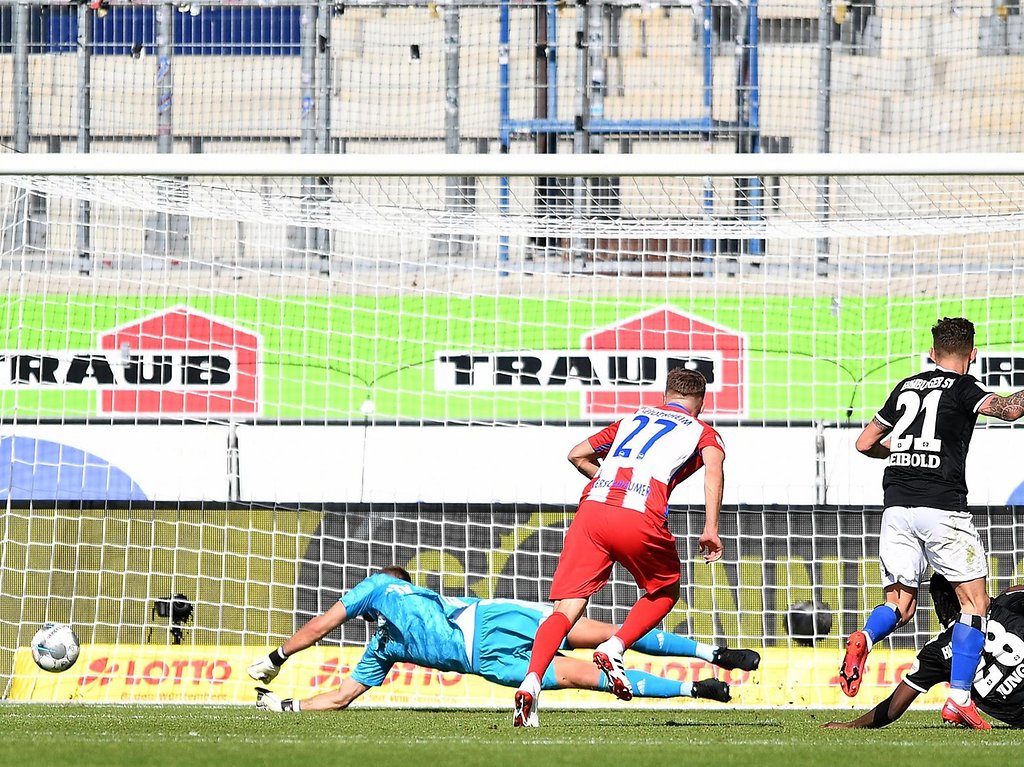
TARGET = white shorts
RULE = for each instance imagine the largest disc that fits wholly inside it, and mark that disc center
(914, 537)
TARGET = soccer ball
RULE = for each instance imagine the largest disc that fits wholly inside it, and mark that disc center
(808, 622)
(55, 647)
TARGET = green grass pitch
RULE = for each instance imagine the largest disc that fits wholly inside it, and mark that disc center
(152, 736)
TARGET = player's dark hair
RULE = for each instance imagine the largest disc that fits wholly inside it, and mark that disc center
(397, 572)
(944, 599)
(953, 335)
(685, 383)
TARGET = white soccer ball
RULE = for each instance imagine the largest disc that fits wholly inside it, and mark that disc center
(55, 647)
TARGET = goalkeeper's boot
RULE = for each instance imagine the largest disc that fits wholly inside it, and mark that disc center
(712, 689)
(963, 716)
(747, 660)
(608, 657)
(851, 672)
(527, 702)
(267, 701)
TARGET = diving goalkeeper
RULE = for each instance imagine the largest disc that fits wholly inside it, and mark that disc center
(490, 638)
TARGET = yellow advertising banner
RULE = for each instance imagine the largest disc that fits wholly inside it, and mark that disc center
(803, 677)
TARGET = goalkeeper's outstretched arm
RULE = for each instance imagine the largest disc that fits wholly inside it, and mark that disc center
(335, 700)
(886, 712)
(267, 668)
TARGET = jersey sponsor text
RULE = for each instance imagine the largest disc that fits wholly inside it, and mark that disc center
(621, 484)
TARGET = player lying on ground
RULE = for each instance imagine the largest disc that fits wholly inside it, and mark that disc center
(486, 637)
(923, 432)
(999, 684)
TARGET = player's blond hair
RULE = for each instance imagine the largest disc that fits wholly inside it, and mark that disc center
(685, 383)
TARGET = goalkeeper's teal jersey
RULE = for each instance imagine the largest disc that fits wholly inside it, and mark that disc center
(416, 626)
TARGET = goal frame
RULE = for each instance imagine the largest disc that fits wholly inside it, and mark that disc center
(278, 536)
(257, 164)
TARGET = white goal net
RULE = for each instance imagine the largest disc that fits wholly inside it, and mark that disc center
(252, 389)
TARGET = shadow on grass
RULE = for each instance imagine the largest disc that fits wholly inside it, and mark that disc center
(552, 723)
(730, 725)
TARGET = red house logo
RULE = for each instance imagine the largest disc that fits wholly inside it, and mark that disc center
(183, 362)
(716, 351)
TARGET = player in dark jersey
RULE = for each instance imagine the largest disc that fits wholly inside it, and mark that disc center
(923, 431)
(998, 688)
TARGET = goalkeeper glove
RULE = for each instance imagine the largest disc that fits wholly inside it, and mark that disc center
(267, 701)
(268, 667)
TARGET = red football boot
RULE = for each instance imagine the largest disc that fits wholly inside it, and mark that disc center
(963, 716)
(852, 669)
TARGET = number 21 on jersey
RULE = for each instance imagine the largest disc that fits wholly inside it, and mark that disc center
(912, 404)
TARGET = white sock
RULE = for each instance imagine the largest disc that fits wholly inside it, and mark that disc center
(705, 651)
(615, 642)
(960, 697)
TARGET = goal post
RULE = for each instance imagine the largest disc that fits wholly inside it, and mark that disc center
(527, 165)
(255, 419)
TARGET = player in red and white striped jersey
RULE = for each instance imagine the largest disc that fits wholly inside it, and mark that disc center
(623, 517)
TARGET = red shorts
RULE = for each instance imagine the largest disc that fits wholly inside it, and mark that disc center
(601, 535)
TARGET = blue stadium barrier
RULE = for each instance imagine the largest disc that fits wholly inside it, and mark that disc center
(232, 31)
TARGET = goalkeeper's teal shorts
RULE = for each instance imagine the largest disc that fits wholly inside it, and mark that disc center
(504, 635)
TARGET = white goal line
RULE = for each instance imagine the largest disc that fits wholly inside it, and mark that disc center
(530, 165)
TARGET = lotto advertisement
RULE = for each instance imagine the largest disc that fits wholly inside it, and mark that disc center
(123, 673)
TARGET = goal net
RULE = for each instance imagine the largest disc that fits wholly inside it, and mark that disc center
(228, 398)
